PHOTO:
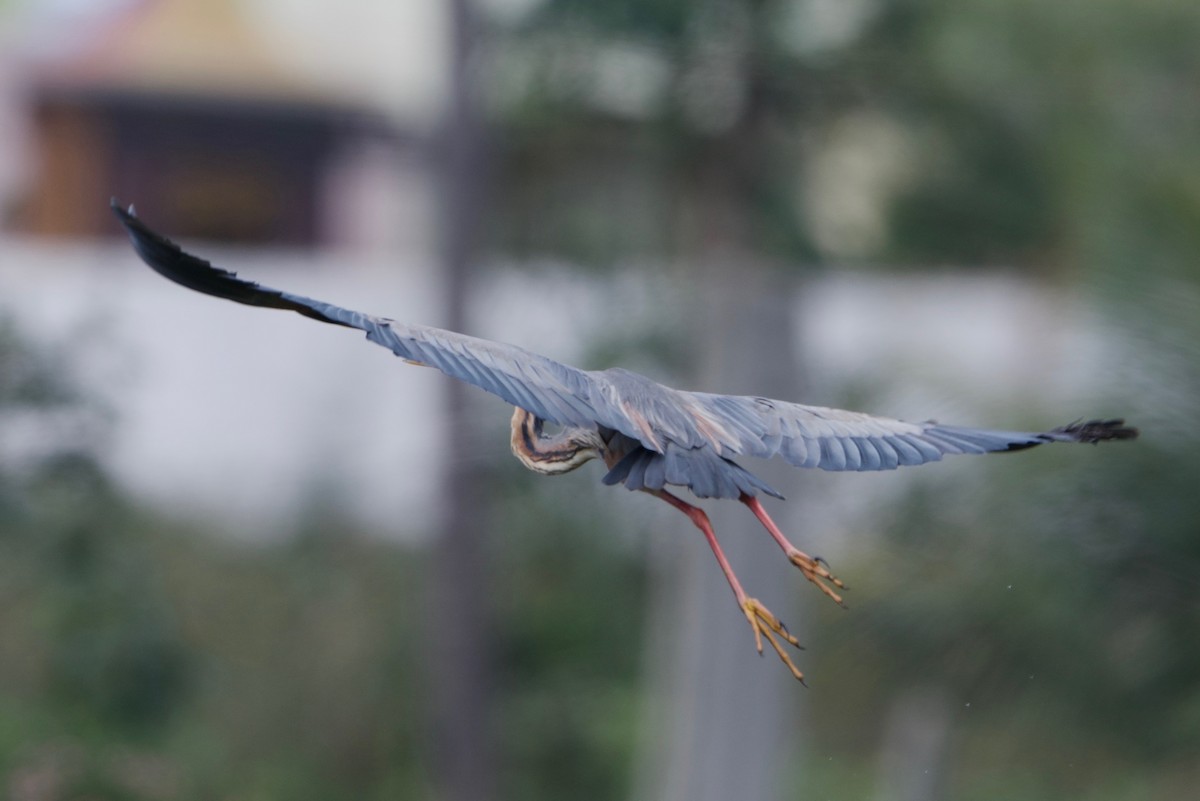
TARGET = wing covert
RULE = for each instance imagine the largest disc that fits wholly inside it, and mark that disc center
(835, 439)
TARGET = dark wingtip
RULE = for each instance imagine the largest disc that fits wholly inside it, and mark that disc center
(1093, 431)
(170, 261)
(174, 263)
(126, 216)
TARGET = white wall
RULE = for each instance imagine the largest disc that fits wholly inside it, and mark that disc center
(237, 412)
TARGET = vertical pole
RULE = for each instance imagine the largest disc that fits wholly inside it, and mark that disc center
(461, 672)
(725, 722)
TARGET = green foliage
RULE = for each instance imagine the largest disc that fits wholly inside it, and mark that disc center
(636, 130)
(104, 648)
(1043, 137)
(142, 658)
(1055, 603)
(1058, 129)
(572, 595)
(663, 20)
(983, 198)
(29, 376)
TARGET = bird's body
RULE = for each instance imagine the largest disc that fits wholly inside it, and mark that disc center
(649, 436)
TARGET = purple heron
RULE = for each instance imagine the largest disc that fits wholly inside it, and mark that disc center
(648, 435)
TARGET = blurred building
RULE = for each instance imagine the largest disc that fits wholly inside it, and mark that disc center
(180, 106)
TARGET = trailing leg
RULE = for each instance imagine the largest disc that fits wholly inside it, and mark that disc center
(760, 618)
(812, 568)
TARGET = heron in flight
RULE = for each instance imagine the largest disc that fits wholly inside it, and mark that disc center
(648, 435)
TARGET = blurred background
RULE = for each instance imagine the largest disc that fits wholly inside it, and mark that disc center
(243, 556)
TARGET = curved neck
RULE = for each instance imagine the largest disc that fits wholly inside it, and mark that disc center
(551, 454)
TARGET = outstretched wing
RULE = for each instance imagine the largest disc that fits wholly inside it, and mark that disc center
(553, 391)
(833, 439)
(687, 427)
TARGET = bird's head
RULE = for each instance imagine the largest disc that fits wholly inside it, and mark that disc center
(551, 454)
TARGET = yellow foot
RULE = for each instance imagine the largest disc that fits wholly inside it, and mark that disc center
(815, 571)
(767, 625)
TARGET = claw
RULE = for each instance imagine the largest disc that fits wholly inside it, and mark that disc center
(815, 571)
(767, 625)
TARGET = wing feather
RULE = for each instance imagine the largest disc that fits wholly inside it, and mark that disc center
(549, 389)
(686, 438)
(833, 439)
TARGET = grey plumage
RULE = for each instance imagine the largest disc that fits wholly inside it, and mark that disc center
(668, 436)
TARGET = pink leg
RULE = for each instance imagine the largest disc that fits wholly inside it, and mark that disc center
(812, 568)
(761, 620)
